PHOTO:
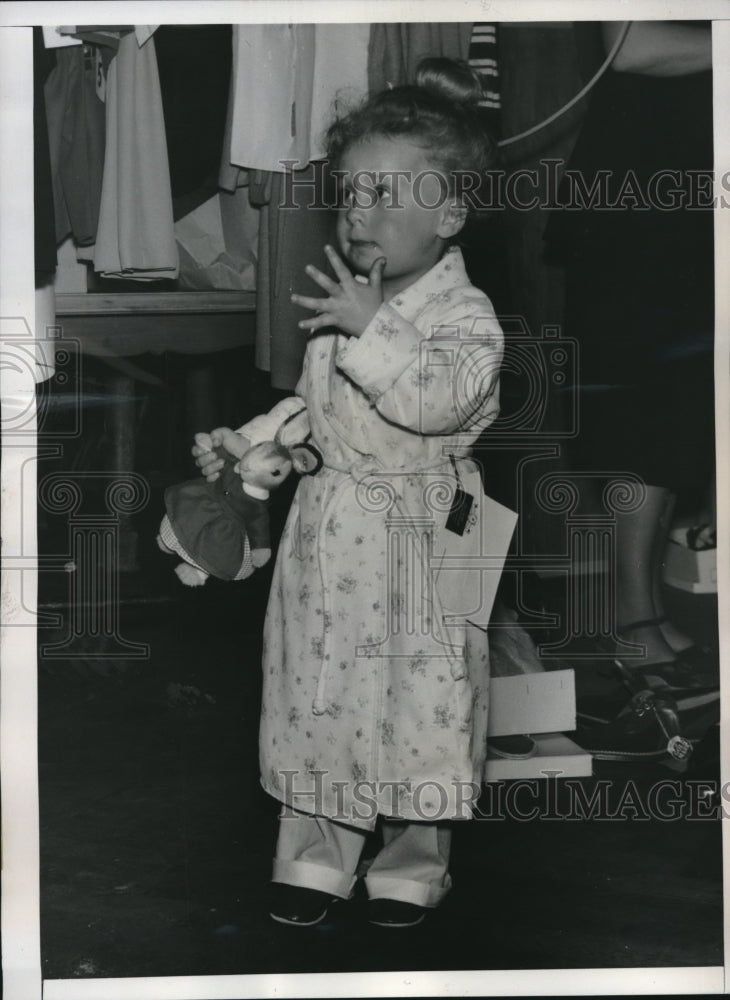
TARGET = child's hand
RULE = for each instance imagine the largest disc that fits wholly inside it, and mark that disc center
(204, 450)
(351, 304)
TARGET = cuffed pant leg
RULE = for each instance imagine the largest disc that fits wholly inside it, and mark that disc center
(412, 865)
(314, 853)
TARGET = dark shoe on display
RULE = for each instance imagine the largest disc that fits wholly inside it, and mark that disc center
(701, 537)
(703, 659)
(679, 675)
(691, 670)
(291, 904)
(395, 913)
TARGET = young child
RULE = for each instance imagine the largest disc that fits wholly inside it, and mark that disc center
(372, 709)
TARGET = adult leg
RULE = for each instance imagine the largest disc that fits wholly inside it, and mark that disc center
(639, 542)
(675, 638)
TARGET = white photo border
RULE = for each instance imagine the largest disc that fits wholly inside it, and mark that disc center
(18, 681)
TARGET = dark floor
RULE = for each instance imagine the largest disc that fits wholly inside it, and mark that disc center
(156, 839)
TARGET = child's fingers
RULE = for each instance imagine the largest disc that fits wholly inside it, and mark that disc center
(340, 269)
(220, 436)
(322, 279)
(211, 469)
(209, 462)
(310, 303)
(317, 322)
(203, 443)
(375, 275)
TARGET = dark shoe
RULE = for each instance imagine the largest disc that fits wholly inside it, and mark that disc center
(672, 676)
(701, 537)
(679, 675)
(291, 904)
(701, 658)
(394, 913)
(689, 671)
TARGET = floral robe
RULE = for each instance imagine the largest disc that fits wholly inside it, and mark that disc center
(370, 705)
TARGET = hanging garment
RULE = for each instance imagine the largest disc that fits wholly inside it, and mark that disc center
(135, 238)
(44, 221)
(483, 59)
(273, 66)
(286, 80)
(289, 239)
(230, 176)
(340, 79)
(483, 238)
(76, 130)
(396, 49)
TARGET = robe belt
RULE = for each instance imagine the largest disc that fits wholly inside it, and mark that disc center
(357, 472)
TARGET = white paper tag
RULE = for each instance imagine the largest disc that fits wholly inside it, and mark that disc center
(468, 567)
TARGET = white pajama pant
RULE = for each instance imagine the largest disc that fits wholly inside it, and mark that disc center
(316, 853)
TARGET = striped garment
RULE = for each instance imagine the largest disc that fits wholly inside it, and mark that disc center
(483, 59)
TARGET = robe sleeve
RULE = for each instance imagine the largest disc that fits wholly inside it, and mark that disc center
(438, 378)
(265, 426)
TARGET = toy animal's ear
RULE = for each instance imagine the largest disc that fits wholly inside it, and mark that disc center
(294, 429)
(306, 459)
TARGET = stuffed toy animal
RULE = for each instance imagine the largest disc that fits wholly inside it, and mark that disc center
(221, 528)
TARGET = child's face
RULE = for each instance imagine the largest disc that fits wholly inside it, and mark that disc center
(388, 215)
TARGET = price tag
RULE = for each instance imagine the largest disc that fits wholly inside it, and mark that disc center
(459, 514)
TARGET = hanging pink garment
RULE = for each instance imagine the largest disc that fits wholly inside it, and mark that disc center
(135, 238)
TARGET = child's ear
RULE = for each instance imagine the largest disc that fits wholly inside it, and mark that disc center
(452, 220)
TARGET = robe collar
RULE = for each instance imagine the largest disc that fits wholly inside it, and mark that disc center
(447, 274)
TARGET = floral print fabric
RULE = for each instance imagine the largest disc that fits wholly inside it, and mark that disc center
(370, 705)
